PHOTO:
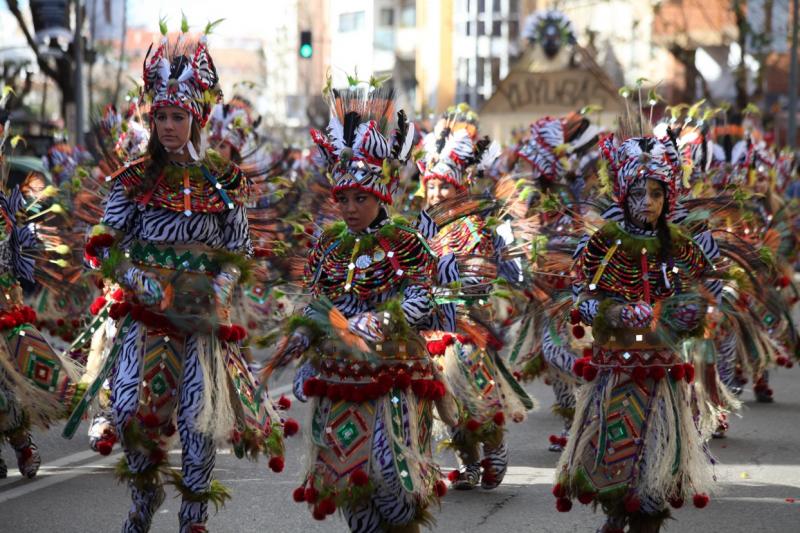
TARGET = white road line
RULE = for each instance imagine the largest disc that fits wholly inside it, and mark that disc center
(53, 478)
(63, 461)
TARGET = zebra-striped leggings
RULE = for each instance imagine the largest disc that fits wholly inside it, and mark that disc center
(198, 449)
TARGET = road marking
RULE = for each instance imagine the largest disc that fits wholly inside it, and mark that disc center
(52, 478)
(46, 465)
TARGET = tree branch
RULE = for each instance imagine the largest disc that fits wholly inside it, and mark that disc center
(13, 6)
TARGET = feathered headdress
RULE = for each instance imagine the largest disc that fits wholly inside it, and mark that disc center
(643, 158)
(181, 74)
(357, 147)
(553, 140)
(551, 29)
(453, 151)
(62, 160)
(230, 123)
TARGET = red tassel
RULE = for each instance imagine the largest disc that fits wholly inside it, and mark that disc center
(578, 366)
(586, 497)
(290, 427)
(677, 372)
(299, 494)
(402, 380)
(700, 500)
(311, 495)
(578, 332)
(574, 317)
(473, 425)
(359, 478)
(563, 505)
(657, 373)
(452, 476)
(440, 488)
(559, 491)
(632, 504)
(688, 369)
(318, 514)
(499, 418)
(276, 463)
(104, 446)
(285, 403)
(639, 373)
(554, 439)
(589, 372)
(328, 506)
(676, 502)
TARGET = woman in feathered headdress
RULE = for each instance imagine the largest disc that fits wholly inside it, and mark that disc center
(175, 237)
(367, 372)
(471, 256)
(635, 447)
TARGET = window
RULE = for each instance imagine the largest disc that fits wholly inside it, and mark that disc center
(513, 7)
(479, 71)
(495, 71)
(469, 28)
(497, 28)
(513, 30)
(481, 27)
(386, 17)
(481, 6)
(351, 21)
(495, 6)
(408, 16)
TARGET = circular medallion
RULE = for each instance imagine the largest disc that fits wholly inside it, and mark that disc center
(378, 255)
(363, 261)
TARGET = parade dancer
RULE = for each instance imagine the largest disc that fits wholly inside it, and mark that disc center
(175, 237)
(635, 445)
(471, 254)
(367, 370)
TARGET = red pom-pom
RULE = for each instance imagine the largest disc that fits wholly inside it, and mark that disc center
(554, 439)
(119, 310)
(359, 478)
(784, 281)
(639, 373)
(473, 425)
(328, 506)
(499, 418)
(559, 491)
(402, 380)
(97, 304)
(157, 456)
(562, 441)
(104, 446)
(276, 463)
(452, 476)
(311, 495)
(150, 420)
(318, 514)
(676, 502)
(334, 392)
(284, 402)
(789, 363)
(657, 373)
(632, 504)
(563, 505)
(299, 494)
(436, 347)
(440, 487)
(700, 500)
(677, 372)
(586, 497)
(688, 370)
(574, 317)
(589, 372)
(578, 332)
(290, 427)
(578, 366)
(448, 339)
(781, 360)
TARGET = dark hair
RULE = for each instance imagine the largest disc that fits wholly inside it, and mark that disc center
(159, 157)
(662, 226)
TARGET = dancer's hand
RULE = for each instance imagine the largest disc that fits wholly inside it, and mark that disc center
(635, 315)
(144, 285)
(367, 326)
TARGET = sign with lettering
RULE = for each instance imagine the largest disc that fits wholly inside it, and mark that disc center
(537, 92)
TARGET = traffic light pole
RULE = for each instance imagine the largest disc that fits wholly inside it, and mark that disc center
(793, 85)
(78, 73)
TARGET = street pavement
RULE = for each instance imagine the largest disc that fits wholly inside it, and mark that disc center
(758, 480)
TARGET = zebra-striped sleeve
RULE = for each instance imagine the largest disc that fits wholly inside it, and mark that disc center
(236, 230)
(119, 209)
(588, 310)
(417, 304)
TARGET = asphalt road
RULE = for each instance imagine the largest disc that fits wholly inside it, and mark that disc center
(758, 481)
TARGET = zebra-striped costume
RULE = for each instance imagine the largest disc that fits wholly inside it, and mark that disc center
(199, 362)
(393, 500)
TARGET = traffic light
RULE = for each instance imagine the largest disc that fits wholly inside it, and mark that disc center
(306, 48)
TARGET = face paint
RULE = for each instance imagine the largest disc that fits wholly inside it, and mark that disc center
(645, 202)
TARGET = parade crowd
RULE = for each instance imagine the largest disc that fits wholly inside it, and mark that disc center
(413, 276)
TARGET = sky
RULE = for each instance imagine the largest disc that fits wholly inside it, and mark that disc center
(242, 17)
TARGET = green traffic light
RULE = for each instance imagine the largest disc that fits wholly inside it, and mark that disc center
(305, 51)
